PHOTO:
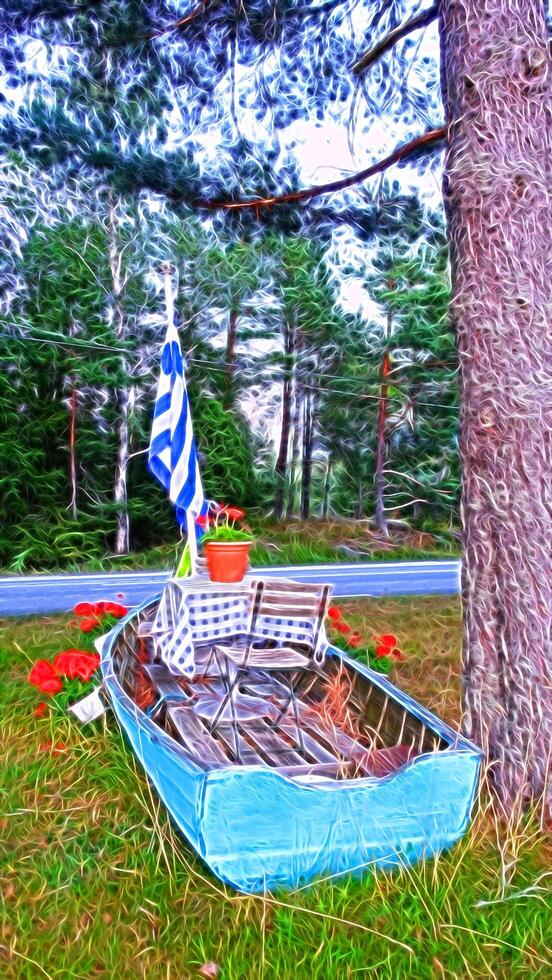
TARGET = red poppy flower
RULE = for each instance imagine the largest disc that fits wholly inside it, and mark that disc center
(341, 627)
(397, 654)
(84, 609)
(388, 640)
(233, 513)
(334, 612)
(44, 676)
(77, 664)
(115, 609)
(88, 624)
(203, 521)
(121, 595)
(354, 640)
(41, 709)
(49, 746)
(382, 651)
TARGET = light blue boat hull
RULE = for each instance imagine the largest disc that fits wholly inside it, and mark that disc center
(259, 830)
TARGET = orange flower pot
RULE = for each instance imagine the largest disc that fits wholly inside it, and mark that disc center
(227, 561)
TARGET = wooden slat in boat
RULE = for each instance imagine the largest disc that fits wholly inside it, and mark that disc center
(167, 685)
(314, 748)
(270, 742)
(237, 746)
(327, 736)
(194, 735)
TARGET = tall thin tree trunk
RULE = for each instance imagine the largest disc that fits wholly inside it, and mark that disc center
(379, 480)
(120, 492)
(497, 90)
(295, 443)
(231, 339)
(308, 442)
(360, 501)
(280, 469)
(72, 451)
(72, 435)
(327, 483)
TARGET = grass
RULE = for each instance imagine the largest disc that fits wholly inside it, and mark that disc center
(95, 881)
(291, 542)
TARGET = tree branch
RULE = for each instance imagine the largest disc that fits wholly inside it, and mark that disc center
(170, 28)
(420, 144)
(202, 7)
(370, 57)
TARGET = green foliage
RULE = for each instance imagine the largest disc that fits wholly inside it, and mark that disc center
(225, 532)
(226, 453)
(422, 443)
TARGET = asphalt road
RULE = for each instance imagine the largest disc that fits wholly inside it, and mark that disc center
(24, 595)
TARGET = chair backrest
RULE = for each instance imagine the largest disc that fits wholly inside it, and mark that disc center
(290, 611)
(195, 612)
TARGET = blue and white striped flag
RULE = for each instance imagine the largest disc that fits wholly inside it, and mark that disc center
(172, 453)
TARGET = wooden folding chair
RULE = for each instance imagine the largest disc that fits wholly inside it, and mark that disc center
(292, 608)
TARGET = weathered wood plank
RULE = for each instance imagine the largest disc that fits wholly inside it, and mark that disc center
(195, 736)
(231, 735)
(312, 745)
(275, 748)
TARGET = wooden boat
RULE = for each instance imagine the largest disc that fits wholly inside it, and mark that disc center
(272, 790)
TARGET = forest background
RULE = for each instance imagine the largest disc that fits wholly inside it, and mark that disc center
(322, 365)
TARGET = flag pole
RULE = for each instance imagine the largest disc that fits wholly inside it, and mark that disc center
(188, 562)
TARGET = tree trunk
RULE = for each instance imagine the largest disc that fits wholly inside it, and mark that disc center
(308, 441)
(497, 89)
(379, 481)
(295, 442)
(72, 434)
(360, 501)
(72, 451)
(280, 469)
(231, 339)
(120, 494)
(122, 537)
(326, 497)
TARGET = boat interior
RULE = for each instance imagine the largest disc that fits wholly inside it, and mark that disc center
(301, 717)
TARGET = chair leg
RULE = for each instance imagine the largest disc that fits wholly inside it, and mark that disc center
(291, 700)
(235, 728)
(228, 696)
(296, 715)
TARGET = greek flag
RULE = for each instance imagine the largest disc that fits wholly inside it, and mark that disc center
(172, 453)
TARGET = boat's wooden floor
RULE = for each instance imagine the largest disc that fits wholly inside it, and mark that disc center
(304, 740)
(339, 724)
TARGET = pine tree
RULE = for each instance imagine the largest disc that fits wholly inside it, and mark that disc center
(412, 284)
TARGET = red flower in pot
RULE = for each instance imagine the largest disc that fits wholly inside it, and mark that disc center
(226, 545)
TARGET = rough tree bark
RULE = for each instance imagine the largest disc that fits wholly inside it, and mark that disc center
(280, 470)
(497, 89)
